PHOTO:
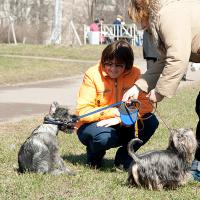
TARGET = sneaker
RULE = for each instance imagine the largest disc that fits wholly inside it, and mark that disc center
(195, 170)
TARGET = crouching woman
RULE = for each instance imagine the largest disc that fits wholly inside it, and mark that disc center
(105, 84)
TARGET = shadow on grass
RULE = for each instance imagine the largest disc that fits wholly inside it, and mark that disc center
(107, 164)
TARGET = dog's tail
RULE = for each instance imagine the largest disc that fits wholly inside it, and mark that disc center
(131, 150)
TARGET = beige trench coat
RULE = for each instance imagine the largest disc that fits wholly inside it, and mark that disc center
(178, 29)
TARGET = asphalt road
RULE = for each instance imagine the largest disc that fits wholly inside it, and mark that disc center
(24, 100)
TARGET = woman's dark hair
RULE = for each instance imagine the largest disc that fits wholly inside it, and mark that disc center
(119, 50)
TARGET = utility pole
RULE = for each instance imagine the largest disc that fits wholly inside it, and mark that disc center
(56, 32)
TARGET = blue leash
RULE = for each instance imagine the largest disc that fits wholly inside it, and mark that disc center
(99, 110)
(75, 119)
(128, 115)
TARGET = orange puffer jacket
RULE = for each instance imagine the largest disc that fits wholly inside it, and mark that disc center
(99, 90)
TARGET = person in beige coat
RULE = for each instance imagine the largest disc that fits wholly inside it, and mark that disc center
(175, 28)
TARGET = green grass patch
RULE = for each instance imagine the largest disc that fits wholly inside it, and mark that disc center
(85, 52)
(91, 184)
(77, 52)
(18, 70)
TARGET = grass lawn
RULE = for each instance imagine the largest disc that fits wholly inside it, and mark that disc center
(76, 52)
(91, 184)
(85, 52)
(17, 70)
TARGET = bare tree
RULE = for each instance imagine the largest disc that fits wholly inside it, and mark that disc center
(94, 8)
(91, 7)
(31, 19)
(121, 7)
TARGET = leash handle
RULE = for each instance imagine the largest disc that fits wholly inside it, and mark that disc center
(129, 112)
(133, 104)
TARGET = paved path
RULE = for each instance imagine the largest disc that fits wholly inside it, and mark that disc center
(25, 100)
(21, 101)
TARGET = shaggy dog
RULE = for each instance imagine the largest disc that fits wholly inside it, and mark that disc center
(168, 168)
(39, 153)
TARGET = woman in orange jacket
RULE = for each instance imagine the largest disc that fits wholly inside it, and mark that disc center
(105, 84)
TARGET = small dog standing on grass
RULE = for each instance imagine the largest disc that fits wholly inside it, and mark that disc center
(39, 153)
(168, 168)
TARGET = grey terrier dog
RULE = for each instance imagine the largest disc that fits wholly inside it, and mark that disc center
(168, 168)
(39, 153)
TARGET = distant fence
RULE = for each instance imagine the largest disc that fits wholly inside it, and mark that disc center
(110, 32)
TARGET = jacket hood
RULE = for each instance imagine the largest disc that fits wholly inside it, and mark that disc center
(154, 12)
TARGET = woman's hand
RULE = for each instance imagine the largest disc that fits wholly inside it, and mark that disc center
(155, 96)
(109, 122)
(131, 93)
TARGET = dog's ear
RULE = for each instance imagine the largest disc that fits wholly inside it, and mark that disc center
(173, 131)
(53, 107)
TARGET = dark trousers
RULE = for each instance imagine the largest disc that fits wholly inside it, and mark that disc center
(197, 155)
(99, 139)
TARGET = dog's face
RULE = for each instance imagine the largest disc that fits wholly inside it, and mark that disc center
(61, 114)
(184, 141)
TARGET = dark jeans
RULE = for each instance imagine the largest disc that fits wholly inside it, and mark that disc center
(197, 155)
(99, 139)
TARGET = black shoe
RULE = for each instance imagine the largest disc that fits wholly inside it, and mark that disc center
(94, 160)
(94, 165)
(122, 159)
